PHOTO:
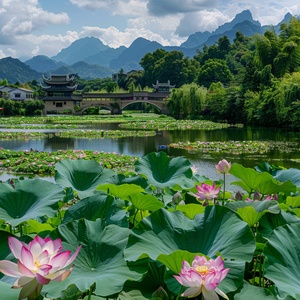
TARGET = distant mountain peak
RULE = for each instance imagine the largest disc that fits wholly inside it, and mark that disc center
(244, 15)
(90, 58)
(80, 50)
(207, 38)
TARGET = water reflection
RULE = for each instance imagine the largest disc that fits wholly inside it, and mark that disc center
(140, 146)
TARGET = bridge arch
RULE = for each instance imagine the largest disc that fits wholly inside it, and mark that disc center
(83, 109)
(124, 105)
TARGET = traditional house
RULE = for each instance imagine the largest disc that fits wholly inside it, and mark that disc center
(59, 89)
(162, 86)
(16, 94)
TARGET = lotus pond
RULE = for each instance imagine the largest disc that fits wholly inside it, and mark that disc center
(132, 234)
(134, 135)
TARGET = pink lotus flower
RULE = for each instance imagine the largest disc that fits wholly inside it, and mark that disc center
(202, 277)
(207, 192)
(194, 169)
(223, 167)
(39, 262)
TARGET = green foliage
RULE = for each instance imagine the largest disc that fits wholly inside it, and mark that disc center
(162, 171)
(280, 261)
(28, 107)
(32, 198)
(187, 101)
(98, 242)
(264, 182)
(163, 66)
(83, 176)
(214, 70)
(129, 234)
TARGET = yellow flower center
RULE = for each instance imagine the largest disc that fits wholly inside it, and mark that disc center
(36, 263)
(202, 270)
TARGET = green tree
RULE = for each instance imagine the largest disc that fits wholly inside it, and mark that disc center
(281, 52)
(32, 106)
(8, 107)
(148, 63)
(216, 102)
(251, 103)
(170, 67)
(214, 70)
(188, 101)
(137, 78)
(4, 82)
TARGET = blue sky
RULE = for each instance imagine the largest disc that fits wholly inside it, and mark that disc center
(44, 27)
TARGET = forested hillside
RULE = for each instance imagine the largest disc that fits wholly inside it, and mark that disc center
(252, 80)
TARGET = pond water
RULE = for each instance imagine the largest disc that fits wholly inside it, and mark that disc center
(140, 146)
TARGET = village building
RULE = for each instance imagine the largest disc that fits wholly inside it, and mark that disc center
(163, 87)
(59, 89)
(16, 94)
(60, 97)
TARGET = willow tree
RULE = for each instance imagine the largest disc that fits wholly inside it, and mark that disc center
(188, 101)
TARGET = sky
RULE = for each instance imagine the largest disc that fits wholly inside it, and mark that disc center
(44, 27)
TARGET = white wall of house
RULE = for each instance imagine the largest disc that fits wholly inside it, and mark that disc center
(18, 94)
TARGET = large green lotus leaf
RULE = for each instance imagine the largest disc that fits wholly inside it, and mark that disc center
(92, 297)
(82, 175)
(100, 260)
(174, 260)
(162, 171)
(217, 231)
(97, 206)
(282, 259)
(290, 174)
(123, 191)
(266, 167)
(4, 249)
(251, 212)
(269, 222)
(293, 202)
(121, 179)
(191, 210)
(150, 285)
(247, 175)
(145, 202)
(37, 227)
(28, 199)
(7, 292)
(251, 292)
(264, 182)
(71, 293)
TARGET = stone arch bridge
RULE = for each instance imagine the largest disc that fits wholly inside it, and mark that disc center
(116, 102)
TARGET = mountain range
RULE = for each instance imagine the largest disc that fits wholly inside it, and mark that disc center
(90, 58)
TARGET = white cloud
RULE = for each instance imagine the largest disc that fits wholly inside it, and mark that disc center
(19, 17)
(165, 7)
(94, 4)
(201, 21)
(268, 12)
(115, 38)
(25, 27)
(2, 55)
(117, 7)
(32, 45)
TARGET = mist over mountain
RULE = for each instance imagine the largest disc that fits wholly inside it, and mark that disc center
(90, 58)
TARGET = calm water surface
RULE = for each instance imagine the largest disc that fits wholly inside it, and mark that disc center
(140, 146)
